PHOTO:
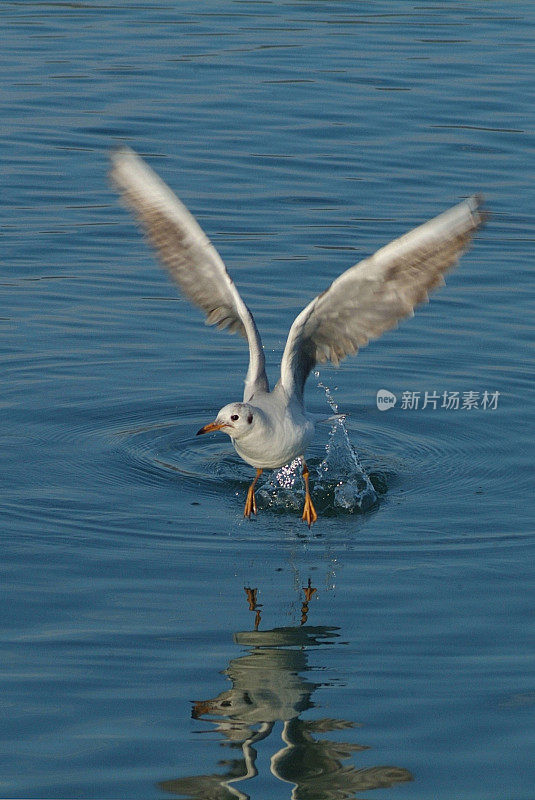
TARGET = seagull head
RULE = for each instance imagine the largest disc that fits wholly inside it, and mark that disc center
(236, 419)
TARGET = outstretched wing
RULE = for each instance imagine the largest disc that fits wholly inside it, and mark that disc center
(189, 256)
(376, 293)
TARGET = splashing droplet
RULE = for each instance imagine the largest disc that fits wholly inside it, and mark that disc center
(339, 481)
(353, 488)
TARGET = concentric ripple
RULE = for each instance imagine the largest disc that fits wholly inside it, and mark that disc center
(166, 448)
(352, 465)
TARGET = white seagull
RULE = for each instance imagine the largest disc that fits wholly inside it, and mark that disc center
(271, 428)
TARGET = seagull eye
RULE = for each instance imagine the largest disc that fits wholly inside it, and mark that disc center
(234, 417)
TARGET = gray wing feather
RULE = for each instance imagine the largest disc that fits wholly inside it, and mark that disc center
(189, 256)
(376, 293)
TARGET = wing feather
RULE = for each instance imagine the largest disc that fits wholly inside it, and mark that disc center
(189, 256)
(376, 293)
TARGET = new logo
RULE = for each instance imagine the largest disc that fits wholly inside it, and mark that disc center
(385, 400)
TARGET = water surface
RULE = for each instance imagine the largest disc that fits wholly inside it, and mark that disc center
(303, 135)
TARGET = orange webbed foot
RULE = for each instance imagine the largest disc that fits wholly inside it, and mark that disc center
(250, 502)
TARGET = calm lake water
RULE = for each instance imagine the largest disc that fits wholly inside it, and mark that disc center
(153, 643)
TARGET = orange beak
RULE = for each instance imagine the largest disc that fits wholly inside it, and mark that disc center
(212, 426)
(201, 707)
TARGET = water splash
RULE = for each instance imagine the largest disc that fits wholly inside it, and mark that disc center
(338, 481)
(284, 489)
(342, 479)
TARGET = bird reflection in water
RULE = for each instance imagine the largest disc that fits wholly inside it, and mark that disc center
(268, 687)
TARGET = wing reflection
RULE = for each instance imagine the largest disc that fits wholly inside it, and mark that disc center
(269, 687)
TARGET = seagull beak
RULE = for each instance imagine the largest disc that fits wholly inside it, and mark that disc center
(212, 426)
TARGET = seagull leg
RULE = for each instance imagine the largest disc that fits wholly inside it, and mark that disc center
(250, 503)
(309, 512)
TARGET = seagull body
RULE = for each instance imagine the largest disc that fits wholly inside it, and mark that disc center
(271, 428)
(279, 430)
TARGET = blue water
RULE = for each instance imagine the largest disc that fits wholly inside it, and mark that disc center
(303, 135)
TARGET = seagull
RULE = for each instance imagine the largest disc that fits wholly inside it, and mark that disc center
(269, 429)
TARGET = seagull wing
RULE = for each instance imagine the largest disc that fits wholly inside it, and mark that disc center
(376, 293)
(189, 256)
